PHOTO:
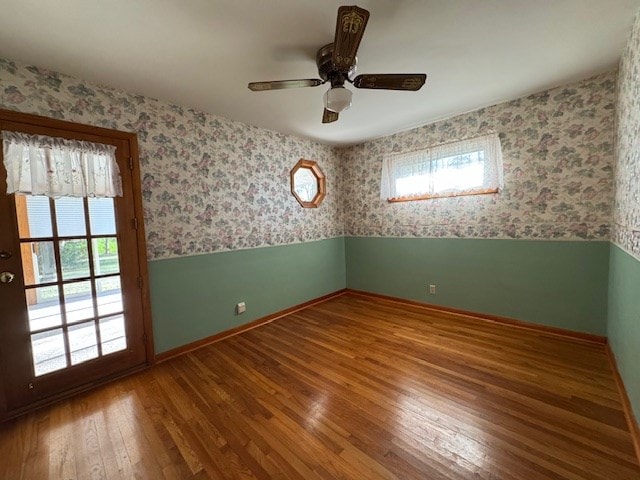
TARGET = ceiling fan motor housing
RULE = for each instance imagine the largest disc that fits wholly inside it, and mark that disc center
(326, 69)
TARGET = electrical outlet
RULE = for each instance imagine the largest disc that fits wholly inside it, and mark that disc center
(432, 289)
(241, 308)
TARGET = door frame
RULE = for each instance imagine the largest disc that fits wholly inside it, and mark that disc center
(134, 169)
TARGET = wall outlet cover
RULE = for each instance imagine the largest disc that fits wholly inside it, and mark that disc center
(241, 308)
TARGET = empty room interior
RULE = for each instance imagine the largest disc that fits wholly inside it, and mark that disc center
(317, 240)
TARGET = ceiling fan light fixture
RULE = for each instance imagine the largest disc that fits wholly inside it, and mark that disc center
(337, 99)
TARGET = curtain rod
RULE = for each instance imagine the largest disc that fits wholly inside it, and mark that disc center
(393, 154)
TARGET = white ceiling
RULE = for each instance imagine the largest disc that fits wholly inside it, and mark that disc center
(202, 53)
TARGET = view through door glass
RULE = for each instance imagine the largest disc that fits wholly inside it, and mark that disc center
(71, 272)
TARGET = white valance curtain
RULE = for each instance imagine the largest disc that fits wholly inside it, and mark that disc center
(57, 167)
(467, 166)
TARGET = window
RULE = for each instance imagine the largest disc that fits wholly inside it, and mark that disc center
(468, 167)
(308, 184)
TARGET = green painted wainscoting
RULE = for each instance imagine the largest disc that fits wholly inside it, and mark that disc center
(623, 326)
(195, 297)
(557, 283)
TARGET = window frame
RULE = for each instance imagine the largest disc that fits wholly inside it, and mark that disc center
(313, 167)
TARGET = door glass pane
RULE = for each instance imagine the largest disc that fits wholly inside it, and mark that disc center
(38, 263)
(105, 256)
(78, 301)
(109, 295)
(112, 334)
(82, 342)
(34, 216)
(75, 259)
(102, 216)
(47, 349)
(44, 307)
(70, 216)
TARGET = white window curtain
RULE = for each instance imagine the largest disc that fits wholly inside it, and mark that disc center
(56, 167)
(458, 168)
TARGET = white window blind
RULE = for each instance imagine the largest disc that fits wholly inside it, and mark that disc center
(56, 167)
(467, 167)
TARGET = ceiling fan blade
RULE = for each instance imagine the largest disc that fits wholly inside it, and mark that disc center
(391, 81)
(328, 116)
(349, 30)
(280, 84)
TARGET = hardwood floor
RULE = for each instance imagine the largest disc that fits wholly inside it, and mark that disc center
(353, 388)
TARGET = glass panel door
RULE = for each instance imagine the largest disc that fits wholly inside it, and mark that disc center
(73, 294)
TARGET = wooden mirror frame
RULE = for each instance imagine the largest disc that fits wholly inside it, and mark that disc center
(322, 186)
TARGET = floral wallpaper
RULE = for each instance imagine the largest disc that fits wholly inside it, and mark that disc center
(212, 184)
(626, 211)
(557, 153)
(209, 184)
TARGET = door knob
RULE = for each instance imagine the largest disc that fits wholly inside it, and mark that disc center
(7, 277)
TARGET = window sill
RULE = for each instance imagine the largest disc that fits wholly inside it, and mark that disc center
(443, 195)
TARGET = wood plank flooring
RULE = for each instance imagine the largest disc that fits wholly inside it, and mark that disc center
(353, 388)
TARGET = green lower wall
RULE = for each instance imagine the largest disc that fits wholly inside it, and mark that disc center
(623, 326)
(195, 297)
(560, 284)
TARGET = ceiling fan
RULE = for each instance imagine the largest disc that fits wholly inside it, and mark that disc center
(337, 64)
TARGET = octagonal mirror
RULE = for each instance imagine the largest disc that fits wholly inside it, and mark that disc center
(308, 183)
